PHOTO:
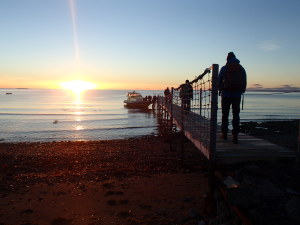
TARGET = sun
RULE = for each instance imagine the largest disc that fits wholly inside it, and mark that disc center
(78, 86)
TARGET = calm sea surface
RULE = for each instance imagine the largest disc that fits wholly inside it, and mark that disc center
(54, 115)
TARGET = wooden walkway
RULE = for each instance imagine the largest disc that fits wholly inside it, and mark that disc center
(249, 148)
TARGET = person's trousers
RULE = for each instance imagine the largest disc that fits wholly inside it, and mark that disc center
(186, 104)
(235, 103)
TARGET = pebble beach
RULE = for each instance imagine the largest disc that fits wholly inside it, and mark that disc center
(131, 181)
(141, 181)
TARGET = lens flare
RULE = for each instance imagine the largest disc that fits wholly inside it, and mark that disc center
(75, 36)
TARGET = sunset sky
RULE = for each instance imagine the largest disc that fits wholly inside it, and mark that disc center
(146, 44)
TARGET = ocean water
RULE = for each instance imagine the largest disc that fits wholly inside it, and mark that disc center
(32, 115)
(270, 106)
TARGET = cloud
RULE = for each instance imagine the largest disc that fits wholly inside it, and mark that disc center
(270, 45)
(287, 86)
(281, 88)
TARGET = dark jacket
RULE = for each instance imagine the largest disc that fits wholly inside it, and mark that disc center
(230, 93)
(186, 91)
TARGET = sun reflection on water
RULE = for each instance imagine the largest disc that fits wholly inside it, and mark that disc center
(79, 127)
(78, 108)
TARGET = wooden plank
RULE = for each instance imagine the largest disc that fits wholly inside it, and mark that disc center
(245, 147)
(256, 152)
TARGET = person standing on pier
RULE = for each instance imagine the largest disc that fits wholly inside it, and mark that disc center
(186, 94)
(232, 84)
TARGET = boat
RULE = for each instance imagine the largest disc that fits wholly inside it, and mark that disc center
(136, 100)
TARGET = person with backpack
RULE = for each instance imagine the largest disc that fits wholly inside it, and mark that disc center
(232, 84)
(186, 94)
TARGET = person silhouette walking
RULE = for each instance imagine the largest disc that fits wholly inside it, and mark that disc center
(232, 84)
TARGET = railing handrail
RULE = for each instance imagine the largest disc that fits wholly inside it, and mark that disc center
(207, 70)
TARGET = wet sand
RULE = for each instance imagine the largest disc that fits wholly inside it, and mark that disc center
(132, 181)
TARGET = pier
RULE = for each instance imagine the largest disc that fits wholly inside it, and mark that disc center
(200, 125)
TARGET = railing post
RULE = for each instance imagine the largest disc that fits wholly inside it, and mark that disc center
(213, 123)
(200, 113)
(171, 100)
(299, 139)
(171, 118)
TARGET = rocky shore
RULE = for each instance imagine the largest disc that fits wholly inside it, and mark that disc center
(281, 132)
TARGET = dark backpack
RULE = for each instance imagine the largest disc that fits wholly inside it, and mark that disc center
(186, 91)
(233, 78)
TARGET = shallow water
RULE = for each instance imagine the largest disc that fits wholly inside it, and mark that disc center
(47, 115)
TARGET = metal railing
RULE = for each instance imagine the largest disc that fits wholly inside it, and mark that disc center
(199, 121)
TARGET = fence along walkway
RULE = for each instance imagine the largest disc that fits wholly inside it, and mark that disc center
(199, 124)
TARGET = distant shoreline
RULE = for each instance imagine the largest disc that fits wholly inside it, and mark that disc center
(248, 90)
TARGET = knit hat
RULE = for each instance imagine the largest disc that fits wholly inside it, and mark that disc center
(230, 56)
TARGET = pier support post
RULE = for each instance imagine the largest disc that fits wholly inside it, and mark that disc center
(213, 124)
(182, 135)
